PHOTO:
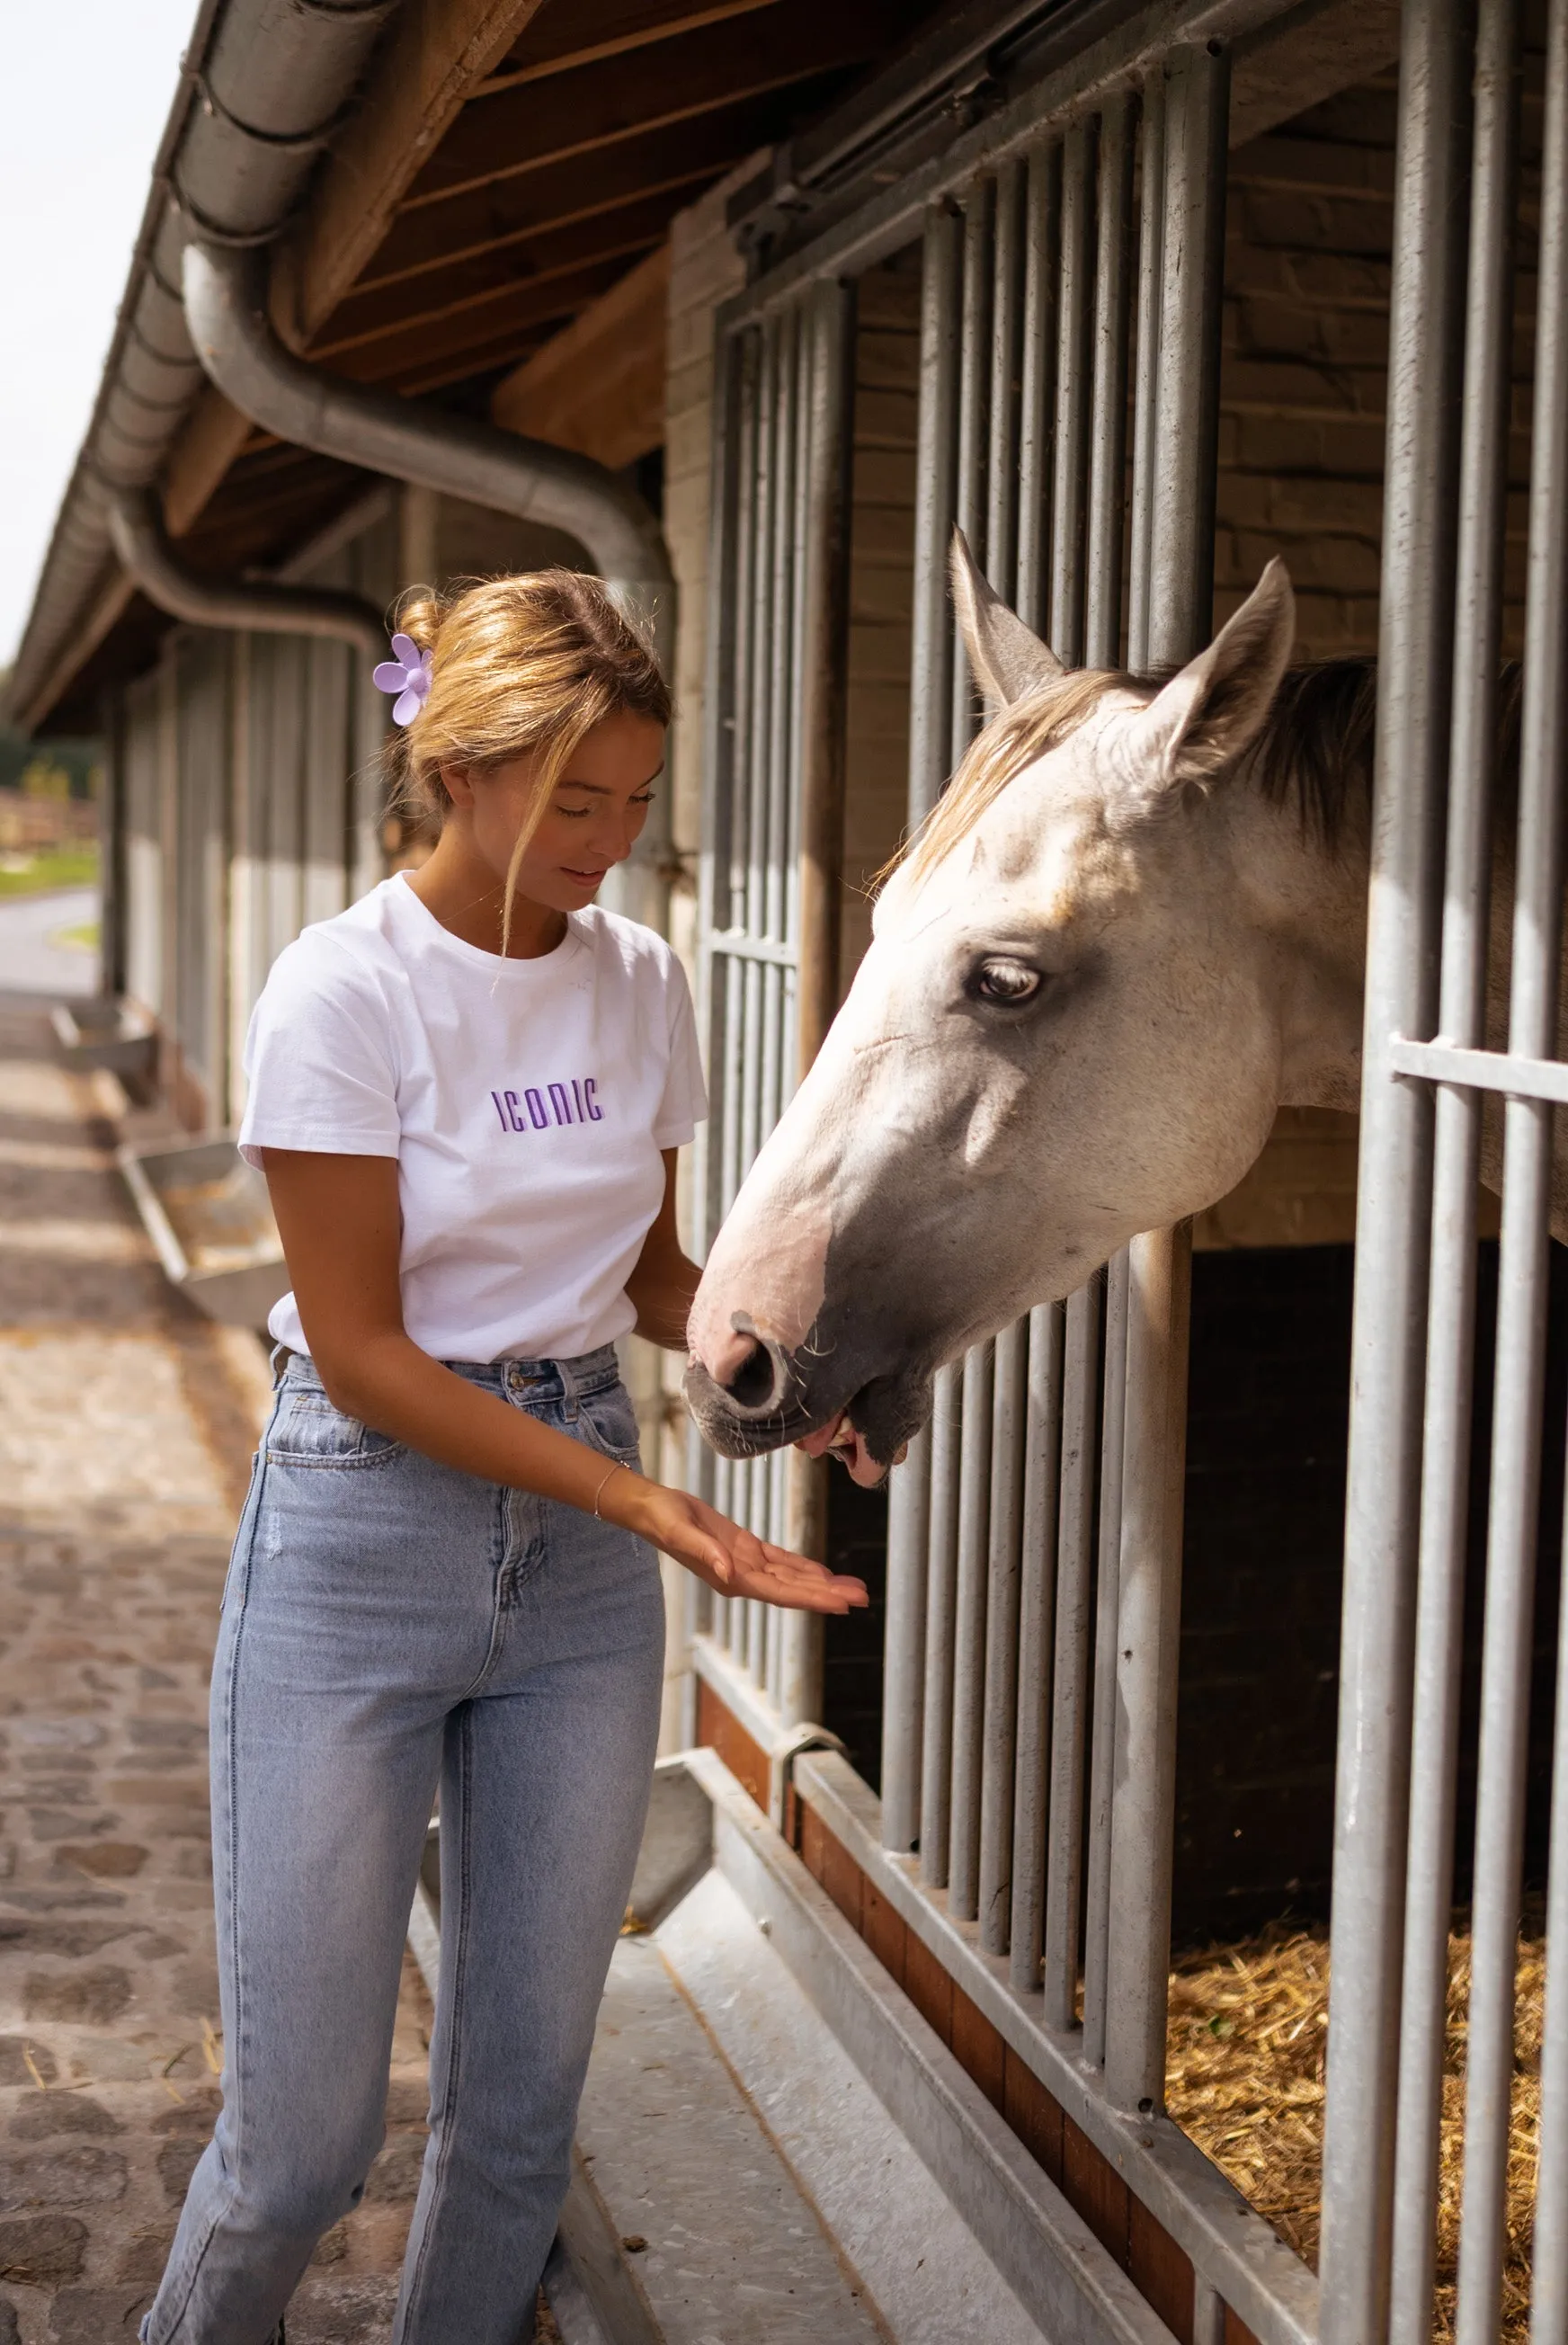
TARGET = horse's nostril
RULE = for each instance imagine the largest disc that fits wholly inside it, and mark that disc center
(754, 1381)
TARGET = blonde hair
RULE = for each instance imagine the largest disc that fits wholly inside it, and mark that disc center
(521, 666)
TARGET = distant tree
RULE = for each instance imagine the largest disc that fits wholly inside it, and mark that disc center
(80, 761)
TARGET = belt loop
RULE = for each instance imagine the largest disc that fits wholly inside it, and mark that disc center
(569, 1390)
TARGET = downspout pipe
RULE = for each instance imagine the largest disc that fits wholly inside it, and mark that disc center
(226, 316)
(145, 555)
(406, 439)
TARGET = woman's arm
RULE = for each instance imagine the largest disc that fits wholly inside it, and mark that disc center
(665, 1282)
(338, 1219)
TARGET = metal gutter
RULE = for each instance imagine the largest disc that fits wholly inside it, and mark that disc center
(264, 85)
(145, 552)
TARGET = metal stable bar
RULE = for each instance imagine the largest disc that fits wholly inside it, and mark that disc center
(1146, 377)
(1394, 1234)
(1009, 1421)
(941, 1614)
(1002, 452)
(969, 1632)
(973, 428)
(1517, 1429)
(1073, 376)
(1549, 2254)
(1149, 1618)
(1064, 1827)
(1042, 203)
(1036, 1611)
(1511, 1072)
(1450, 1334)
(1107, 419)
(1107, 1596)
(904, 1645)
(1179, 608)
(936, 502)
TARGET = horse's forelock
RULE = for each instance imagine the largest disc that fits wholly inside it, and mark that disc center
(1013, 739)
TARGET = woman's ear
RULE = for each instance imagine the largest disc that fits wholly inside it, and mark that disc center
(457, 784)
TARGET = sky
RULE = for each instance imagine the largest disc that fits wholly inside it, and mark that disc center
(88, 88)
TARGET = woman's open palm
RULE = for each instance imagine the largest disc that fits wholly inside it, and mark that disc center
(735, 1562)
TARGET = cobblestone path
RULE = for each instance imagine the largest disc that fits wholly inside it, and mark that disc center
(125, 1428)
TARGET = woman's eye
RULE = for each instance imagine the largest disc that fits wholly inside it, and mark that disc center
(1007, 982)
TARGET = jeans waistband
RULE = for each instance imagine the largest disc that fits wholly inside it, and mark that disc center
(543, 1380)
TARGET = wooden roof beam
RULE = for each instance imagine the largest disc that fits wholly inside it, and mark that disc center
(598, 385)
(439, 236)
(524, 129)
(438, 52)
(620, 235)
(550, 48)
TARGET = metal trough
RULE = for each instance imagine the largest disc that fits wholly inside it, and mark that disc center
(206, 1210)
(106, 1032)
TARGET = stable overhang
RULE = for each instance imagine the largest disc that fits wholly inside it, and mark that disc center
(440, 188)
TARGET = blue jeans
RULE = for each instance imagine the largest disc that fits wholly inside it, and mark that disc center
(390, 1624)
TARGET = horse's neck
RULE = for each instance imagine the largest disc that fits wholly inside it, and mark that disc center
(1307, 910)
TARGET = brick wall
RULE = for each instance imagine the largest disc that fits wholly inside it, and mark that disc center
(1308, 236)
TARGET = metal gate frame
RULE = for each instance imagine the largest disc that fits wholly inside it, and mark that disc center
(1028, 1681)
(1427, 1071)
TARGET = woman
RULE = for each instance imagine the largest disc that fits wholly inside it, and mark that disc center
(466, 1093)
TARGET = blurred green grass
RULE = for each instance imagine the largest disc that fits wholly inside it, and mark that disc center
(55, 866)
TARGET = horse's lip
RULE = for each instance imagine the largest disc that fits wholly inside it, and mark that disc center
(841, 1438)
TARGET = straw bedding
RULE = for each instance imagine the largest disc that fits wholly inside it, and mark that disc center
(1248, 2026)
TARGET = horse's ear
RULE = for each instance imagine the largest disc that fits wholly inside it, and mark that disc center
(1205, 716)
(1009, 658)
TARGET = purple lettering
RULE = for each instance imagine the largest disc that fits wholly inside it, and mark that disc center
(595, 1112)
(517, 1122)
(499, 1109)
(560, 1103)
(536, 1114)
(577, 1095)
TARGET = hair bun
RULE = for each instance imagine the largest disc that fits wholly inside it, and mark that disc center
(419, 612)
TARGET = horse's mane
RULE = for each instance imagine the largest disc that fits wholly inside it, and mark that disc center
(1314, 751)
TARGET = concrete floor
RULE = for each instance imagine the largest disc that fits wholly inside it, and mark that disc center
(126, 1427)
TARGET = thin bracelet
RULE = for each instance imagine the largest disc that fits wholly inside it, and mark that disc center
(619, 1467)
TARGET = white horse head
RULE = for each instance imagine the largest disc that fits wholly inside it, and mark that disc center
(1118, 945)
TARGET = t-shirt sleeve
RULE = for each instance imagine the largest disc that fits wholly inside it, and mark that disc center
(319, 1060)
(685, 1101)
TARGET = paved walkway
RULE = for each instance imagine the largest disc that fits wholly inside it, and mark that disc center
(126, 1427)
(31, 957)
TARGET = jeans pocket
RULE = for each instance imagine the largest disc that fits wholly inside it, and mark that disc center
(610, 1423)
(307, 1430)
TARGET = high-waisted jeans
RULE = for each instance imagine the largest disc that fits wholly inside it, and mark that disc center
(389, 1625)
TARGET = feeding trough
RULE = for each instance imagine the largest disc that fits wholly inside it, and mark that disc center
(106, 1032)
(207, 1212)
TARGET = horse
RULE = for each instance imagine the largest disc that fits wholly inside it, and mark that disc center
(1133, 928)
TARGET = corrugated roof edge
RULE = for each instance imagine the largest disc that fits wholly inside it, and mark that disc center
(263, 86)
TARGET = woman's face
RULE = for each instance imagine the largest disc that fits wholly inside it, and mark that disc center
(596, 812)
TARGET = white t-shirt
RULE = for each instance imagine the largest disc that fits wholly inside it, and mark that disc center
(526, 1102)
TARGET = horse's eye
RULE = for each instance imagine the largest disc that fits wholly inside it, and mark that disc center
(1010, 983)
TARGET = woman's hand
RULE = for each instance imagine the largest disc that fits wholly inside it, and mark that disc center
(730, 1560)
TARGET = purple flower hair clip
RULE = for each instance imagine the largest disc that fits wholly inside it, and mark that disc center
(407, 674)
